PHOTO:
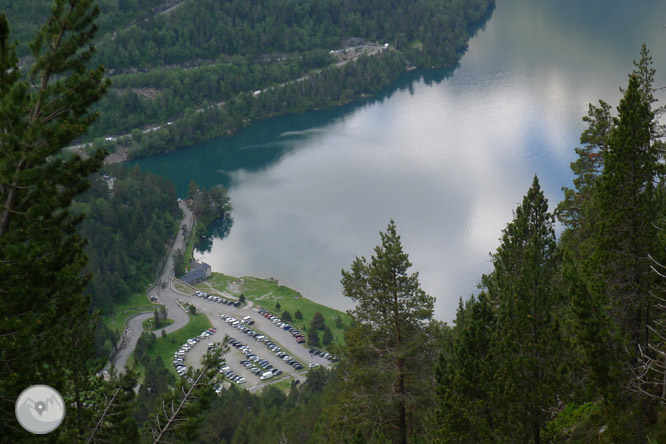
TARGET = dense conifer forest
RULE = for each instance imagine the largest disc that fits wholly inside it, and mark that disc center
(188, 70)
(131, 218)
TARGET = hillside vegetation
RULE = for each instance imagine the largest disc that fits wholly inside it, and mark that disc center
(188, 71)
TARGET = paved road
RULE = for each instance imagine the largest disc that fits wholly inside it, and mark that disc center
(165, 295)
(132, 333)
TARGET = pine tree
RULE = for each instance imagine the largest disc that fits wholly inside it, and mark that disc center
(465, 413)
(313, 337)
(526, 340)
(577, 210)
(625, 234)
(318, 321)
(328, 336)
(386, 367)
(611, 241)
(45, 326)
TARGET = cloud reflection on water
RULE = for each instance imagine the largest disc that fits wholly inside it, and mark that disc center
(448, 161)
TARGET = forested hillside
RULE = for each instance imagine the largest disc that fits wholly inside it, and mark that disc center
(187, 71)
(131, 218)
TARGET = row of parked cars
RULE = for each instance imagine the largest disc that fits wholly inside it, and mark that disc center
(300, 338)
(259, 337)
(226, 371)
(258, 366)
(218, 299)
(242, 324)
(179, 356)
(323, 354)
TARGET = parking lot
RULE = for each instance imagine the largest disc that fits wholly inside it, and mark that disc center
(257, 349)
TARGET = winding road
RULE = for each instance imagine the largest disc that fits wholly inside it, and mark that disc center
(165, 295)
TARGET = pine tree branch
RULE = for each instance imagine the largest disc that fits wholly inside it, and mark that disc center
(8, 206)
(99, 423)
(171, 419)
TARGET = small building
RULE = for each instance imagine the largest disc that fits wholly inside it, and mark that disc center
(198, 273)
(193, 277)
(194, 265)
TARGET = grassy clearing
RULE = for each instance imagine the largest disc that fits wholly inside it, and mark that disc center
(219, 281)
(148, 324)
(137, 303)
(266, 294)
(166, 347)
(182, 287)
(284, 384)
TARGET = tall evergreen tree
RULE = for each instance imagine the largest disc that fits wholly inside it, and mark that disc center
(526, 342)
(611, 238)
(620, 278)
(45, 327)
(387, 366)
(577, 210)
(626, 234)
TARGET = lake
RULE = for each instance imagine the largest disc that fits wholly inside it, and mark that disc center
(448, 154)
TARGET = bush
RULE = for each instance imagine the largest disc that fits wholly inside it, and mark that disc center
(298, 315)
(286, 316)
